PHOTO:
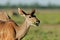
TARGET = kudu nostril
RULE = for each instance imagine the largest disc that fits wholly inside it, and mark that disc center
(38, 21)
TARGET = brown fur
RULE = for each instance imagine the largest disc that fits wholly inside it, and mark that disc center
(6, 30)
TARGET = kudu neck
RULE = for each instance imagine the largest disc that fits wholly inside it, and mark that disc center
(26, 23)
(23, 29)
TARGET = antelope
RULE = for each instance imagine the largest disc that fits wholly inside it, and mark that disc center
(3, 16)
(9, 30)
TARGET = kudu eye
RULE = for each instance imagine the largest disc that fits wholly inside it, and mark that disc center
(30, 17)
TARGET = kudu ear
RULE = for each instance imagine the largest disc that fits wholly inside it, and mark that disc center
(33, 12)
(21, 12)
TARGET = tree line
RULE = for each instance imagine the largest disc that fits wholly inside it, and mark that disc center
(35, 5)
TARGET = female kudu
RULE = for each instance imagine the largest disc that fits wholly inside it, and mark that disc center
(9, 28)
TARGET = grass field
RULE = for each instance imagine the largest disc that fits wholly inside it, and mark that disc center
(49, 28)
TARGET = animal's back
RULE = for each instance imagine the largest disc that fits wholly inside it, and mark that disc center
(6, 31)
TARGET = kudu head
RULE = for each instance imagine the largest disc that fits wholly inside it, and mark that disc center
(30, 18)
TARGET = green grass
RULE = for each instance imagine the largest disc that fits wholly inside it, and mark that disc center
(49, 28)
(50, 18)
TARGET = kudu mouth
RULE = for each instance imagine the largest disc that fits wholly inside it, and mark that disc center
(37, 23)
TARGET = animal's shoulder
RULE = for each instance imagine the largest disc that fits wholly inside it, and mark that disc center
(12, 21)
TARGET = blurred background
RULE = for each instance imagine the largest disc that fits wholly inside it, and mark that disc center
(47, 11)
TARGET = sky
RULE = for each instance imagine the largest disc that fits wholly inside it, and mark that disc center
(42, 2)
